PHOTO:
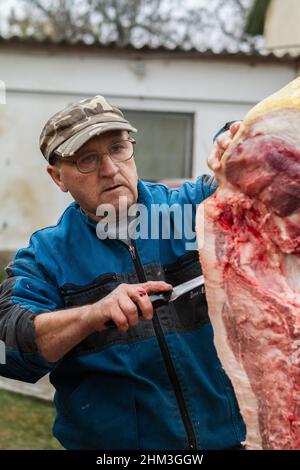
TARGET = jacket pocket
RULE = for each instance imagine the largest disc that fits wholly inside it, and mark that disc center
(186, 267)
(96, 412)
(75, 295)
(190, 310)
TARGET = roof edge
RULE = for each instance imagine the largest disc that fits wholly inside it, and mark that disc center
(34, 43)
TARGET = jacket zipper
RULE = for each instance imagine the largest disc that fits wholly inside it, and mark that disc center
(166, 355)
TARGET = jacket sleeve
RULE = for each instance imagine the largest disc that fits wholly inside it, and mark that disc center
(180, 215)
(193, 192)
(27, 292)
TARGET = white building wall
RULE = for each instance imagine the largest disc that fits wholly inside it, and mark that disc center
(38, 85)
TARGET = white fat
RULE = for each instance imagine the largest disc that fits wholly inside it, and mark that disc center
(284, 123)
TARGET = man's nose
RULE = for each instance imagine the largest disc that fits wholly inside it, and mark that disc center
(107, 167)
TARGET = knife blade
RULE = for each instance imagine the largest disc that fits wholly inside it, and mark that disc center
(163, 298)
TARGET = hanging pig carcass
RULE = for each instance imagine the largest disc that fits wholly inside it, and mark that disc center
(249, 242)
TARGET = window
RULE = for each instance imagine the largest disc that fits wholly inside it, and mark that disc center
(164, 144)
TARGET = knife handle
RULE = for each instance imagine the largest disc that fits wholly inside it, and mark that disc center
(157, 299)
(160, 298)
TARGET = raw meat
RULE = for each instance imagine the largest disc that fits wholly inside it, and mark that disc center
(249, 243)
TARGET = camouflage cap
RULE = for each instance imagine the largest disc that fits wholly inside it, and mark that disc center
(66, 131)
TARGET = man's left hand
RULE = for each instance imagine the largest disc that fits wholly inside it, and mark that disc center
(221, 144)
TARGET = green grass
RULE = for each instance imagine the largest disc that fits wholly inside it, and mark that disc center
(26, 423)
(2, 275)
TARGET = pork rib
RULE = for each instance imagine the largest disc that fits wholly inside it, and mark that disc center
(249, 243)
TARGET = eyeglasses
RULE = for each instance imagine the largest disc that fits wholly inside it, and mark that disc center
(118, 152)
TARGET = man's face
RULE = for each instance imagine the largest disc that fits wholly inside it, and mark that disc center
(106, 184)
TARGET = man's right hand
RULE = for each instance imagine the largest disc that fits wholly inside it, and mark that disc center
(60, 331)
(124, 305)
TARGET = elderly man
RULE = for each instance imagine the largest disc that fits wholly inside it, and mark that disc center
(152, 382)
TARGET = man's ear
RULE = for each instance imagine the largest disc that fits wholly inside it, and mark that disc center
(55, 174)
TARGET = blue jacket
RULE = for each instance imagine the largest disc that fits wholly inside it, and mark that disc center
(158, 386)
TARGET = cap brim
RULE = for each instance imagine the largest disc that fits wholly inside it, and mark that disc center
(70, 146)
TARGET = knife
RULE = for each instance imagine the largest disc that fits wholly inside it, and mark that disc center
(163, 298)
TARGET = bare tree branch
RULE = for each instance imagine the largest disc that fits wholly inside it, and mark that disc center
(125, 20)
